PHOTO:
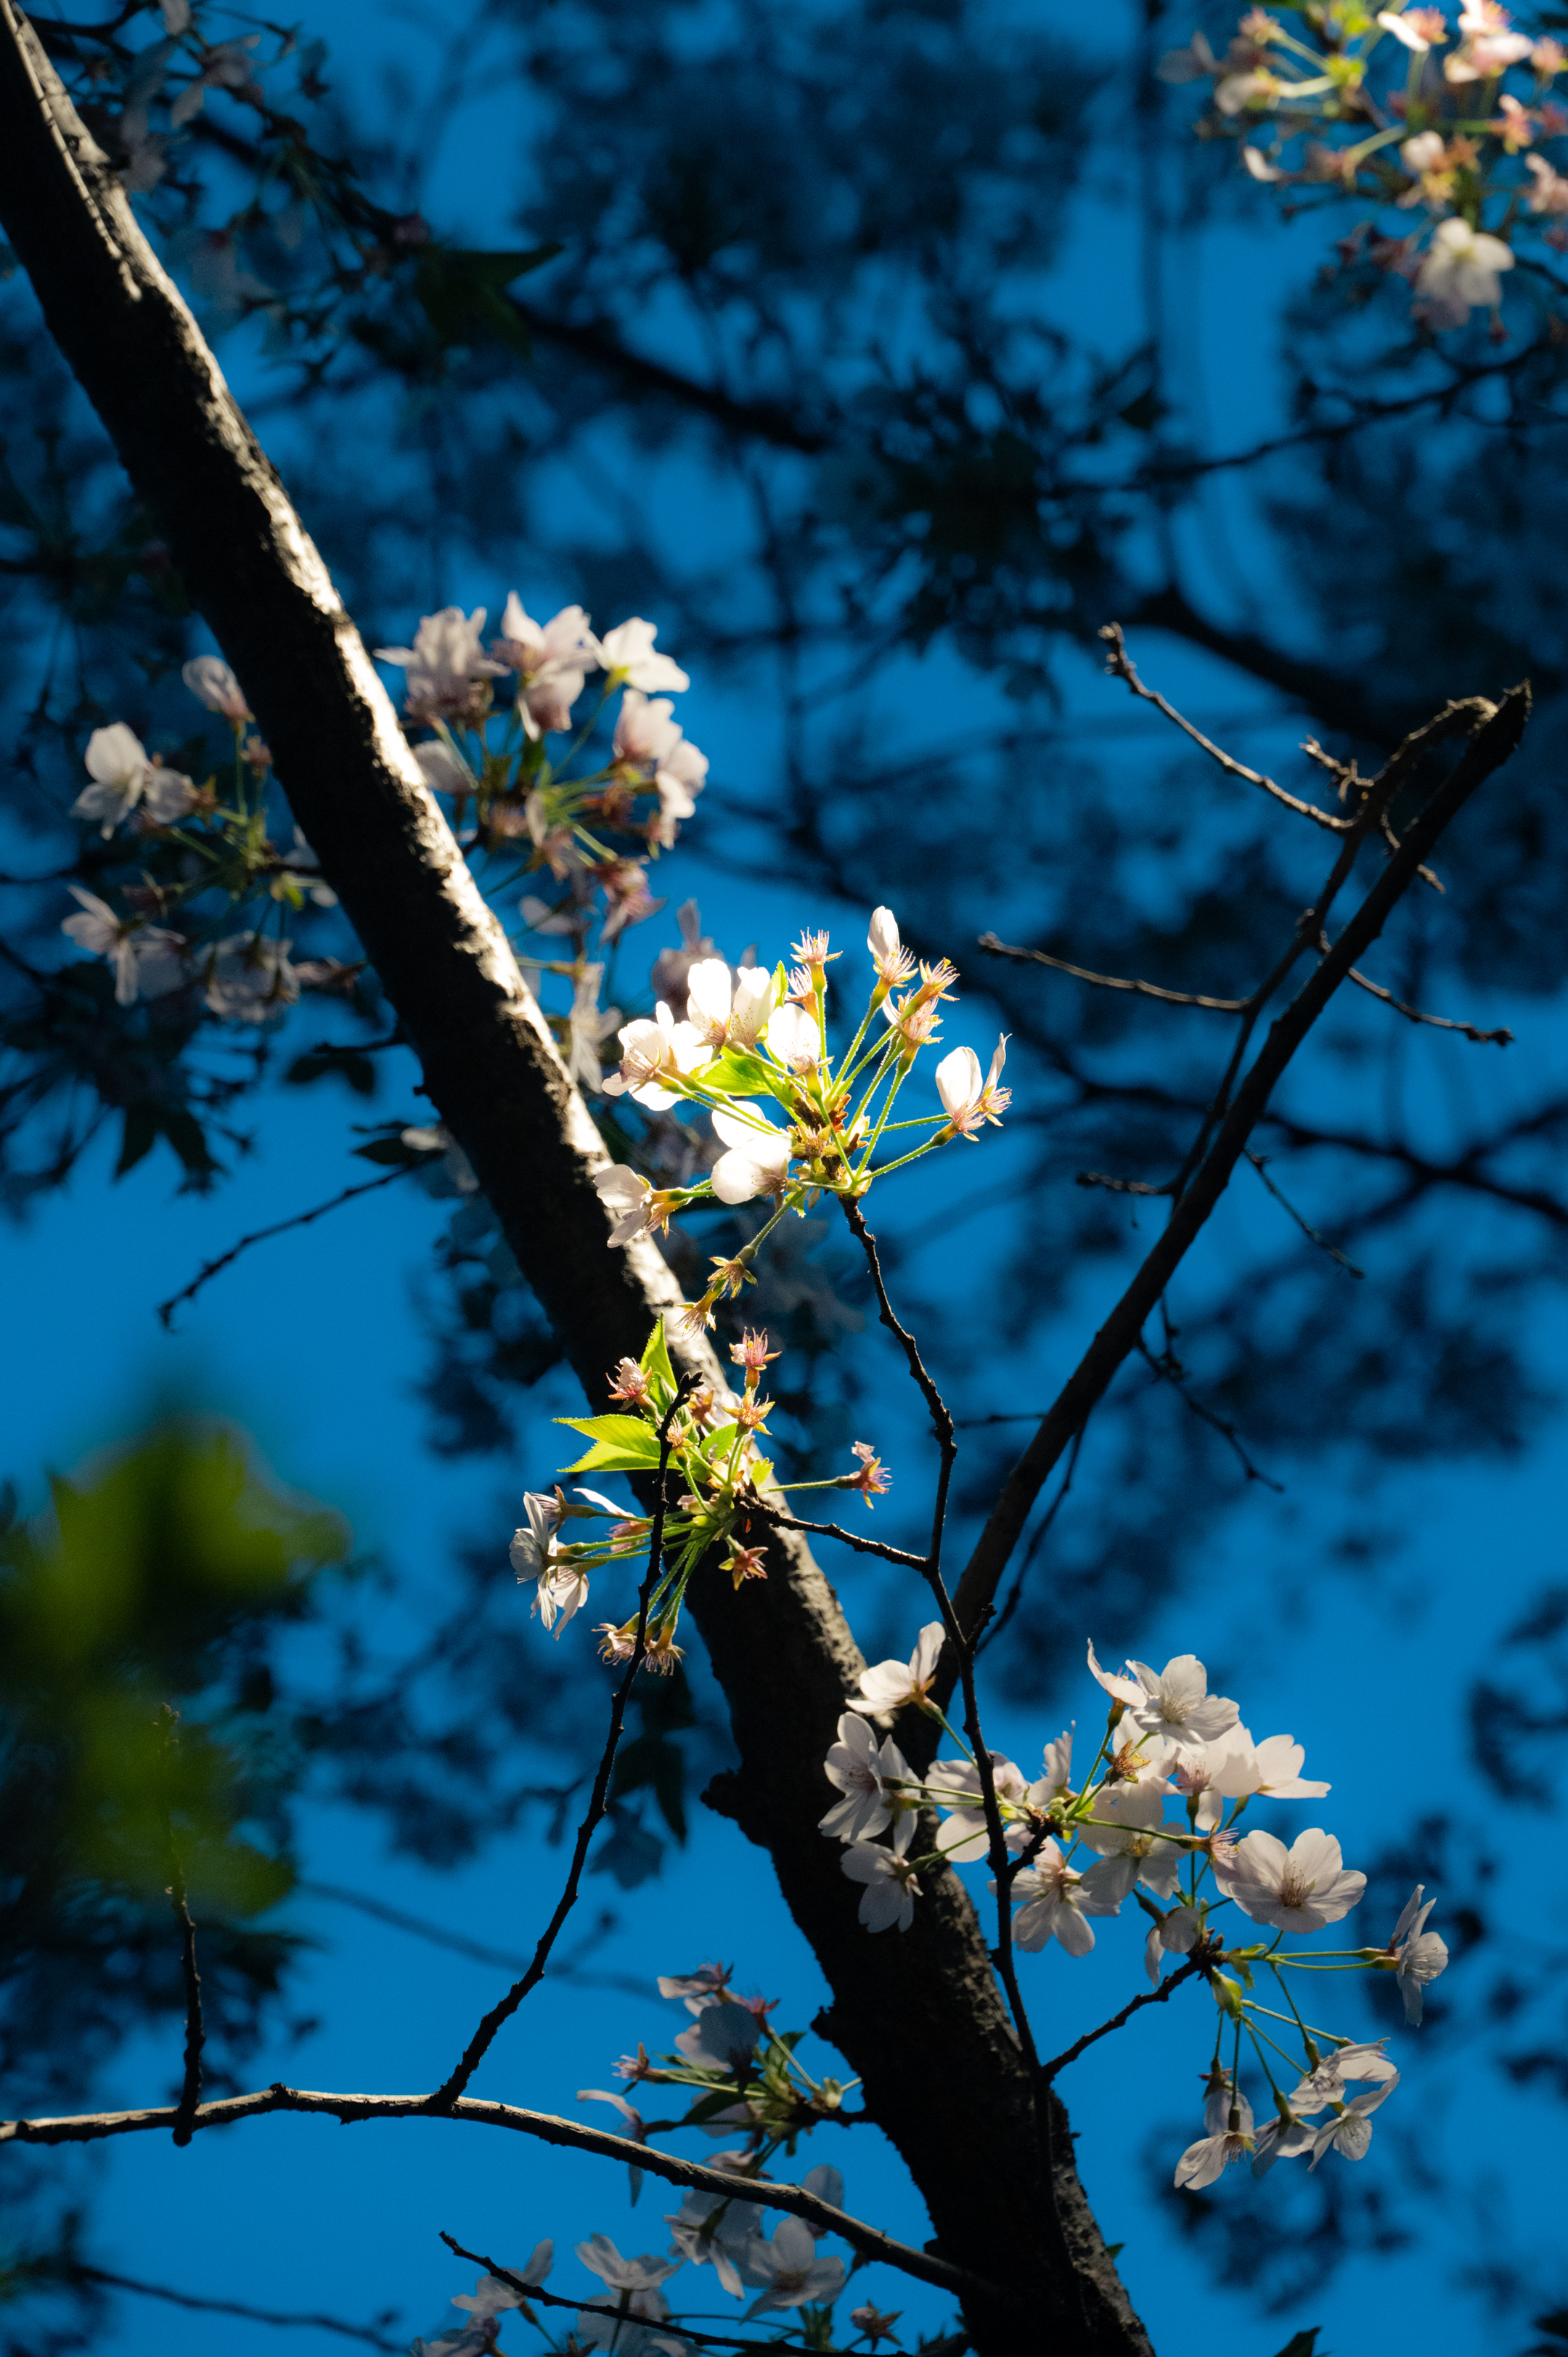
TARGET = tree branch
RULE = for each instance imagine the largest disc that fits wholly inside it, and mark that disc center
(1195, 1963)
(309, 2317)
(780, 1650)
(1491, 746)
(94, 2127)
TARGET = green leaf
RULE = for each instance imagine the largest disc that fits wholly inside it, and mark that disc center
(622, 1444)
(655, 1361)
(739, 1073)
(461, 293)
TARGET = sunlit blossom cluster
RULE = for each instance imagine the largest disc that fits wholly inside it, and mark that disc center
(1406, 108)
(1151, 1821)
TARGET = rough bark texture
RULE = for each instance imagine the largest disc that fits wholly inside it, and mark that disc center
(919, 2018)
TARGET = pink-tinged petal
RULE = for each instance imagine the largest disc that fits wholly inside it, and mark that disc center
(1120, 1689)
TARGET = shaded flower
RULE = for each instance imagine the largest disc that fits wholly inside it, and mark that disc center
(446, 668)
(123, 775)
(789, 2270)
(146, 958)
(868, 1774)
(212, 683)
(1298, 1890)
(887, 1688)
(249, 978)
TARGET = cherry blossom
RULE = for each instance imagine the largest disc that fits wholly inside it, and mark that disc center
(146, 957)
(728, 1008)
(967, 1099)
(1460, 272)
(888, 1688)
(717, 2230)
(1422, 1954)
(1350, 2131)
(124, 774)
(636, 1208)
(965, 1837)
(793, 1038)
(551, 659)
(1234, 1768)
(1175, 1703)
(758, 1162)
(890, 1890)
(444, 772)
(650, 1048)
(1298, 1890)
(791, 2270)
(600, 2256)
(1412, 29)
(1174, 1934)
(874, 2324)
(627, 653)
(586, 1025)
(494, 2296)
(1126, 1829)
(1207, 2159)
(1364, 2058)
(1549, 194)
(672, 968)
(894, 963)
(212, 683)
(250, 978)
(446, 668)
(863, 1770)
(1053, 1901)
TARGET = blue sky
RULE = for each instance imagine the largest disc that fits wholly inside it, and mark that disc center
(310, 1344)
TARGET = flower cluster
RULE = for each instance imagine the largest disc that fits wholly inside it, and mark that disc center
(723, 1479)
(748, 2088)
(754, 1046)
(1400, 106)
(222, 857)
(1154, 1819)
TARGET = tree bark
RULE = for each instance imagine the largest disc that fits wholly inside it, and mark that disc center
(918, 2017)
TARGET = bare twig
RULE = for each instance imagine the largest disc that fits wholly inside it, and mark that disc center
(1490, 746)
(1123, 1186)
(1169, 1371)
(604, 2308)
(195, 2037)
(1197, 1963)
(92, 2127)
(780, 1522)
(1501, 1037)
(1119, 664)
(280, 1227)
(598, 1798)
(310, 2318)
(989, 943)
(989, 1635)
(1260, 1164)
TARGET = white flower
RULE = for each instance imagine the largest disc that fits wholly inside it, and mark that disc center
(586, 1026)
(893, 962)
(863, 1769)
(790, 2269)
(1298, 1890)
(249, 978)
(1423, 153)
(446, 666)
(758, 1162)
(1053, 1902)
(1177, 1704)
(1246, 93)
(1549, 194)
(1202, 2162)
(967, 1099)
(651, 1049)
(551, 659)
(629, 1199)
(887, 1688)
(212, 683)
(123, 775)
(1413, 39)
(1423, 1955)
(146, 958)
(1174, 1934)
(1127, 1826)
(793, 1038)
(533, 1547)
(726, 1008)
(1121, 1685)
(891, 1889)
(494, 2296)
(1350, 2131)
(1223, 2098)
(1281, 2139)
(965, 1836)
(600, 2256)
(1460, 272)
(714, 2228)
(444, 772)
(1325, 2084)
(627, 652)
(679, 777)
(1234, 1768)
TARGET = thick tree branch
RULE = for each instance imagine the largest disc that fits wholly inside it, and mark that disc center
(781, 1650)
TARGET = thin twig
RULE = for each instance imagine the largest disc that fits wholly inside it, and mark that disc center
(1501, 1037)
(233, 2307)
(195, 2037)
(92, 2127)
(598, 1798)
(1197, 1963)
(1110, 981)
(1259, 1163)
(300, 1220)
(1119, 664)
(602, 2308)
(1169, 1371)
(1123, 1186)
(766, 1513)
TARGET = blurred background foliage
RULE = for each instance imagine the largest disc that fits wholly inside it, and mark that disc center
(861, 344)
